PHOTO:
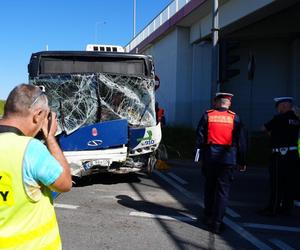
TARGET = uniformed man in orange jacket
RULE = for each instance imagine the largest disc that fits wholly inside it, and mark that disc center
(221, 145)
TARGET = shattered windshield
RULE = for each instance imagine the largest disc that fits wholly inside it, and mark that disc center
(83, 99)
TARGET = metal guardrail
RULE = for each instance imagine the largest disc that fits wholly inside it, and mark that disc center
(158, 21)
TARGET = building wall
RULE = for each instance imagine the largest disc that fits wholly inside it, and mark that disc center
(173, 64)
(274, 42)
(229, 12)
(185, 74)
(183, 63)
(183, 83)
(201, 78)
(254, 98)
(165, 57)
(295, 79)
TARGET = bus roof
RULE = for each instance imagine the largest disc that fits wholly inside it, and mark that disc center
(104, 47)
(89, 54)
(93, 56)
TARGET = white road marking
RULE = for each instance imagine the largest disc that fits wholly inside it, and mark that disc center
(188, 194)
(163, 217)
(234, 226)
(232, 213)
(177, 178)
(246, 235)
(281, 245)
(178, 187)
(272, 227)
(65, 206)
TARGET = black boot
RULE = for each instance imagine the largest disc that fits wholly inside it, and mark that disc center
(217, 227)
(207, 221)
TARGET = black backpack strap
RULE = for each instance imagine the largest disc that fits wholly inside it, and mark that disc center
(5, 129)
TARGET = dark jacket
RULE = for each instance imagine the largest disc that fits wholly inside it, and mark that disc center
(224, 154)
(284, 129)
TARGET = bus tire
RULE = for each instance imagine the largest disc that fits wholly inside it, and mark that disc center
(151, 164)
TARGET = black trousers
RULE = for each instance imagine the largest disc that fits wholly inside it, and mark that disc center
(284, 180)
(218, 178)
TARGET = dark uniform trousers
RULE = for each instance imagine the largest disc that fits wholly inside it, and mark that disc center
(221, 139)
(283, 180)
(218, 178)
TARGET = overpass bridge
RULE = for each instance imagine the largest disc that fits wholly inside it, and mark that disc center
(179, 39)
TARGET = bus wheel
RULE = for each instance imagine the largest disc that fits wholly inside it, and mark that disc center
(151, 164)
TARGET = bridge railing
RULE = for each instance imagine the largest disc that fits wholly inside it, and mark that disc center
(158, 21)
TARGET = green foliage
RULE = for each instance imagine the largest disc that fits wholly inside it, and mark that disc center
(1, 107)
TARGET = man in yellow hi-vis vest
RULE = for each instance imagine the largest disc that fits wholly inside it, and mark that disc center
(29, 170)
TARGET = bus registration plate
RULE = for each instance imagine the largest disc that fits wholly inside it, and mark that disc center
(102, 162)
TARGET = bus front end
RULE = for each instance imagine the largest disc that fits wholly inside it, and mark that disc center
(105, 105)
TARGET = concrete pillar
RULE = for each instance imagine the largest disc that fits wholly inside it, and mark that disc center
(295, 70)
(201, 80)
(183, 115)
(165, 61)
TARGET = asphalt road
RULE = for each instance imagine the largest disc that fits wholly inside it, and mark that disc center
(159, 212)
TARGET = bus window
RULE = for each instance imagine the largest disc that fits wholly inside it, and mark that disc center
(104, 48)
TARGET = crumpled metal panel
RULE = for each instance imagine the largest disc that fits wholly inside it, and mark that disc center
(81, 100)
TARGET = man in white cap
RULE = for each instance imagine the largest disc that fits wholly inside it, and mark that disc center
(221, 142)
(283, 129)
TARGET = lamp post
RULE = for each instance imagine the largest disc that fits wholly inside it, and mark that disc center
(215, 52)
(134, 18)
(96, 29)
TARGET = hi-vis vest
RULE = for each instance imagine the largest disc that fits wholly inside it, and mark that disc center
(24, 224)
(220, 127)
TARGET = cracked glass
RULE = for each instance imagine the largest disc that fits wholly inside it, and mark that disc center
(84, 99)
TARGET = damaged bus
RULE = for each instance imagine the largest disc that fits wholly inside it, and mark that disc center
(105, 105)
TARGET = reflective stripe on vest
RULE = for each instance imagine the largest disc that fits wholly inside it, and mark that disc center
(220, 127)
(24, 224)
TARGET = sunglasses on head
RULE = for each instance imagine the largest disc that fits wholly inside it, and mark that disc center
(36, 98)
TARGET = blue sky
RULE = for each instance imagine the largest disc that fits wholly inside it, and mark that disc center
(28, 26)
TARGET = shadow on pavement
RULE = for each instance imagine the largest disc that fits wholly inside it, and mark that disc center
(156, 209)
(105, 179)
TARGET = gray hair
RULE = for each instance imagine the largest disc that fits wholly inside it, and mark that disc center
(23, 98)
